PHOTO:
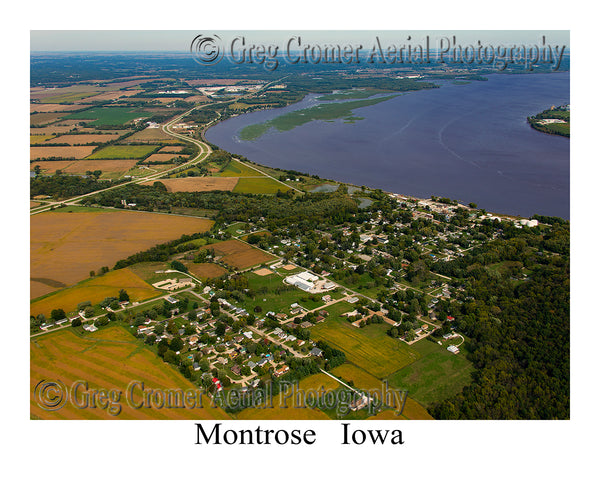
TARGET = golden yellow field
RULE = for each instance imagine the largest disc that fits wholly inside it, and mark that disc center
(313, 383)
(64, 246)
(412, 411)
(106, 166)
(52, 166)
(171, 149)
(108, 359)
(95, 290)
(60, 152)
(52, 107)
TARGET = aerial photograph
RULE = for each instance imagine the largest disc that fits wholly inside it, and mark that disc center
(299, 225)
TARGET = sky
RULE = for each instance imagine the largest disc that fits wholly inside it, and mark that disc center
(179, 40)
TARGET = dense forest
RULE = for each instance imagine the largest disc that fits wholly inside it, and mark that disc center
(518, 329)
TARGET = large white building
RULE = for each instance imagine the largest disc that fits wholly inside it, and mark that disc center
(303, 281)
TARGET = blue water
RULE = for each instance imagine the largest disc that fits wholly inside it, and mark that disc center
(467, 142)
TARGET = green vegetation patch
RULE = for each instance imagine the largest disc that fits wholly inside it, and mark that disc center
(109, 115)
(369, 347)
(326, 111)
(122, 152)
(437, 375)
(238, 169)
(259, 185)
(352, 94)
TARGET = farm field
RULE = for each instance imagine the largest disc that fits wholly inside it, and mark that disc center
(259, 185)
(60, 152)
(312, 383)
(151, 135)
(64, 246)
(109, 115)
(412, 411)
(51, 129)
(369, 347)
(95, 290)
(205, 270)
(437, 375)
(110, 358)
(35, 139)
(161, 157)
(197, 184)
(238, 169)
(83, 139)
(238, 254)
(107, 166)
(51, 167)
(122, 152)
(52, 107)
(171, 149)
(40, 119)
(67, 97)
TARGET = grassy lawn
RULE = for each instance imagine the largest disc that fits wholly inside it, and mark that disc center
(274, 301)
(123, 152)
(259, 185)
(437, 375)
(369, 348)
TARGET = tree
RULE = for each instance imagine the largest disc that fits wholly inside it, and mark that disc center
(176, 344)
(88, 312)
(171, 357)
(76, 322)
(159, 329)
(123, 296)
(92, 273)
(177, 265)
(220, 329)
(57, 314)
(37, 170)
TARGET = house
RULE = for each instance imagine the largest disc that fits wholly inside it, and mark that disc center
(359, 403)
(448, 336)
(196, 366)
(453, 349)
(248, 334)
(316, 352)
(262, 362)
(319, 319)
(281, 371)
(236, 369)
(326, 298)
(251, 364)
(90, 327)
(306, 324)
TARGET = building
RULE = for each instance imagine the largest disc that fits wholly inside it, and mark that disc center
(316, 352)
(281, 371)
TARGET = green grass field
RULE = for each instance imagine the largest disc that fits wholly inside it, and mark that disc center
(68, 97)
(238, 169)
(122, 152)
(369, 348)
(437, 375)
(259, 185)
(109, 115)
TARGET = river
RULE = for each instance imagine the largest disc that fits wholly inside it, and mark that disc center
(467, 142)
